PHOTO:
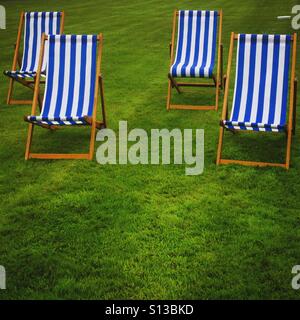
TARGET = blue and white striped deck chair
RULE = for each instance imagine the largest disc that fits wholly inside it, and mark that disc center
(260, 99)
(71, 89)
(198, 42)
(35, 24)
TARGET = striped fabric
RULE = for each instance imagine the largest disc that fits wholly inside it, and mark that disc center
(36, 23)
(261, 84)
(22, 74)
(70, 80)
(196, 44)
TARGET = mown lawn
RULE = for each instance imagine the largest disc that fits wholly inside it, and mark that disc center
(77, 229)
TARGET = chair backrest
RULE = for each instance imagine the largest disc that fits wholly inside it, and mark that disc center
(196, 43)
(37, 23)
(262, 78)
(70, 76)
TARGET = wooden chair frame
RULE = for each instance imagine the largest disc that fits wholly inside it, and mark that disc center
(290, 127)
(17, 61)
(218, 80)
(91, 120)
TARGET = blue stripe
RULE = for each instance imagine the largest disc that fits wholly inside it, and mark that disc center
(251, 77)
(62, 60)
(262, 82)
(58, 23)
(180, 43)
(188, 47)
(51, 23)
(93, 77)
(197, 44)
(240, 76)
(285, 79)
(50, 75)
(274, 79)
(72, 76)
(43, 22)
(82, 75)
(205, 49)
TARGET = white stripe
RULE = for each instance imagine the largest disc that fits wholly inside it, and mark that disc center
(258, 58)
(54, 21)
(87, 76)
(280, 76)
(77, 75)
(245, 84)
(55, 79)
(266, 107)
(66, 83)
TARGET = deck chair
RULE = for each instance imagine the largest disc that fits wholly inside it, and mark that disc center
(261, 90)
(35, 24)
(195, 53)
(71, 90)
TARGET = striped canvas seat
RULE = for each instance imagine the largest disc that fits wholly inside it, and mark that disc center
(70, 80)
(261, 85)
(36, 23)
(196, 44)
(22, 74)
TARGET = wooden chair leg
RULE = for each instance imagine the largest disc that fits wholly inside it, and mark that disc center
(217, 93)
(10, 90)
(174, 83)
(288, 149)
(295, 105)
(102, 101)
(169, 94)
(222, 85)
(92, 140)
(214, 79)
(29, 140)
(219, 152)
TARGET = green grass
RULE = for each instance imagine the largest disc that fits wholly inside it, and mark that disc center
(76, 229)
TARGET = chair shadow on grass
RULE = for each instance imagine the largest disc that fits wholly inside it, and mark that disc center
(255, 146)
(64, 140)
(195, 95)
